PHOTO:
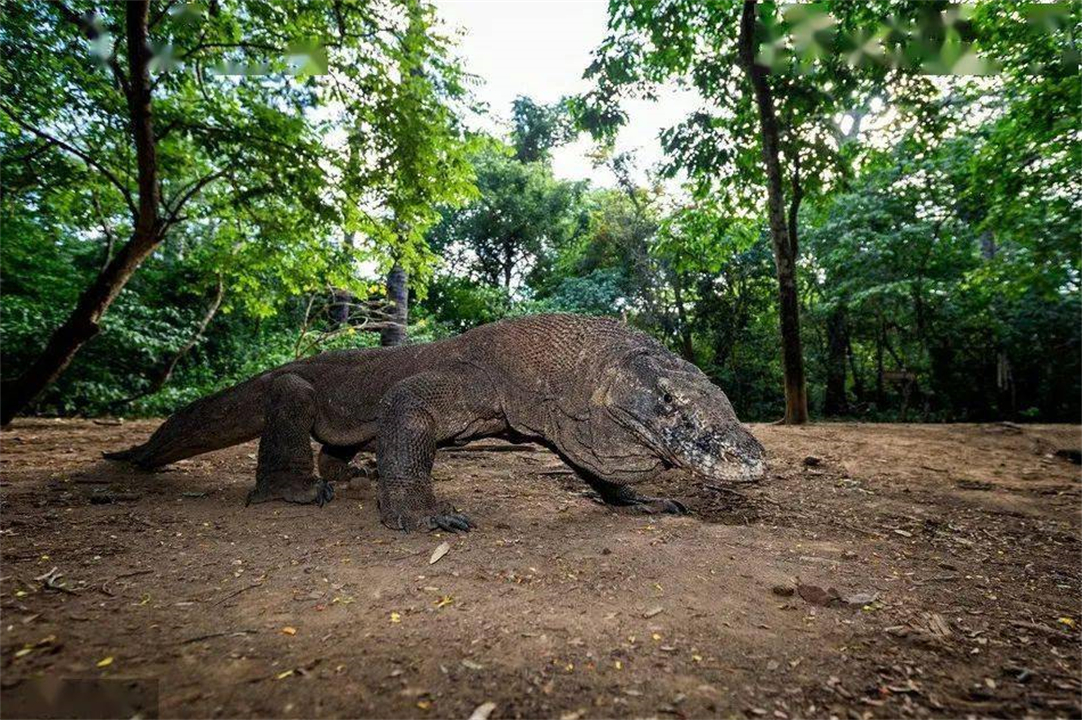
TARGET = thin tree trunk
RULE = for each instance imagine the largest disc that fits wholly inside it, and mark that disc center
(858, 383)
(340, 307)
(796, 195)
(687, 349)
(166, 371)
(508, 263)
(835, 401)
(83, 323)
(398, 297)
(880, 397)
(796, 393)
(1005, 392)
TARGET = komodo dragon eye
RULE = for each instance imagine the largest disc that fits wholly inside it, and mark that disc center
(667, 398)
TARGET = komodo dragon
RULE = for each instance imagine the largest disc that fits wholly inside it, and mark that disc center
(612, 402)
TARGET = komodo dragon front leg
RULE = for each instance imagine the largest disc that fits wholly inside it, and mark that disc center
(415, 416)
(284, 468)
(619, 495)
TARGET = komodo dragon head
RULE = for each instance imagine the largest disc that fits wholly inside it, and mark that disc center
(686, 420)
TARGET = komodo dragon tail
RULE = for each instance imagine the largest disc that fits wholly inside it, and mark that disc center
(226, 418)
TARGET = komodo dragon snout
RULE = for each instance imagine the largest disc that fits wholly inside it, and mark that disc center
(686, 419)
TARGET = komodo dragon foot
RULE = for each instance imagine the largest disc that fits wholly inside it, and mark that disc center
(449, 521)
(407, 516)
(655, 506)
(304, 492)
(624, 497)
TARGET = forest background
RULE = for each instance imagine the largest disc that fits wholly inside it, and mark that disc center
(872, 213)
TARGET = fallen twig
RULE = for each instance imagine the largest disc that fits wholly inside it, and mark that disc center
(224, 633)
(232, 595)
(51, 580)
(105, 583)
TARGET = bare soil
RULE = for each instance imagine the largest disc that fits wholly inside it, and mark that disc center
(880, 571)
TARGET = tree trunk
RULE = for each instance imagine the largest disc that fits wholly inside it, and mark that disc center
(835, 401)
(83, 323)
(398, 298)
(508, 263)
(858, 383)
(796, 393)
(166, 370)
(687, 349)
(340, 307)
(1005, 391)
(880, 397)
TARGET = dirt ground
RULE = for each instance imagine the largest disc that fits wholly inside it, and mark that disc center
(879, 571)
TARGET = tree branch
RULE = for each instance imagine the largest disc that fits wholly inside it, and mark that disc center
(186, 195)
(110, 238)
(161, 13)
(86, 25)
(81, 154)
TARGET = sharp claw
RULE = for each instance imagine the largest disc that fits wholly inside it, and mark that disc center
(459, 523)
(680, 507)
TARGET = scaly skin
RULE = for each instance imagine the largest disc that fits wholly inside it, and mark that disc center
(612, 402)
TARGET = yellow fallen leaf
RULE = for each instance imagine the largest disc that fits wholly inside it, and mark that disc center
(570, 667)
(105, 662)
(284, 675)
(656, 636)
(396, 618)
(697, 658)
(289, 630)
(1069, 622)
(618, 665)
(442, 549)
(424, 704)
(25, 651)
(20, 593)
(444, 601)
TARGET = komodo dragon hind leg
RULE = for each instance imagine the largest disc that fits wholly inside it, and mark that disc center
(284, 469)
(624, 496)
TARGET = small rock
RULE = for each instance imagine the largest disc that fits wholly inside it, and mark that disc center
(1074, 456)
(812, 461)
(818, 596)
(653, 612)
(783, 590)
